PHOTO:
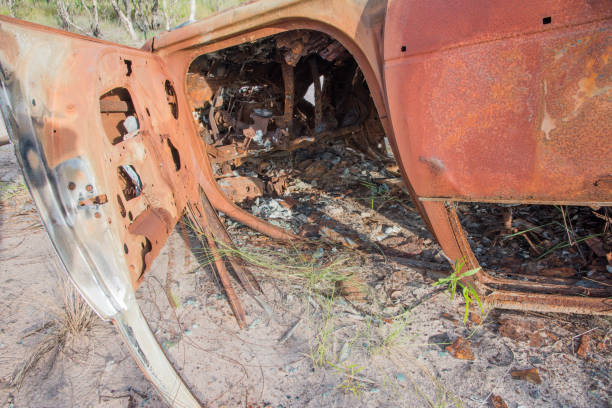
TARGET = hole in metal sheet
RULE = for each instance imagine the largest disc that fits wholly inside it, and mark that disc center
(146, 247)
(121, 206)
(119, 118)
(547, 20)
(130, 182)
(171, 97)
(175, 155)
(403, 48)
(128, 65)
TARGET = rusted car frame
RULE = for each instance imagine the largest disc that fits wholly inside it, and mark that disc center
(482, 101)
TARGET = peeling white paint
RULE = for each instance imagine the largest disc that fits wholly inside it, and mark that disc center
(548, 122)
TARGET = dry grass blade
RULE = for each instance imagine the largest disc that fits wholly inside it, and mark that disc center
(74, 318)
(289, 263)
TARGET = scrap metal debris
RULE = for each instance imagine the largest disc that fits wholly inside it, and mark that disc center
(281, 94)
(531, 375)
(498, 402)
(585, 346)
(461, 349)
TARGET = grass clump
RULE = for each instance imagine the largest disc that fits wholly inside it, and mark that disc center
(11, 189)
(312, 269)
(73, 319)
(350, 383)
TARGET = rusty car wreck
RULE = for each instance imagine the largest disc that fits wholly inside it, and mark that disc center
(481, 101)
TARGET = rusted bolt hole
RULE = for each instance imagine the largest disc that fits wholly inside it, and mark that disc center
(71, 186)
(547, 20)
(403, 48)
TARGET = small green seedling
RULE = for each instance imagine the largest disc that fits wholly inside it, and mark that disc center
(350, 383)
(377, 191)
(469, 293)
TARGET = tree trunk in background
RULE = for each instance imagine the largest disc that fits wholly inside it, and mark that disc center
(125, 19)
(95, 25)
(192, 8)
(64, 15)
(166, 15)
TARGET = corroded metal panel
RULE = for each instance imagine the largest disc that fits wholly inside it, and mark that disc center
(494, 100)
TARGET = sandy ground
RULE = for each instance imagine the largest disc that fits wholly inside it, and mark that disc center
(368, 360)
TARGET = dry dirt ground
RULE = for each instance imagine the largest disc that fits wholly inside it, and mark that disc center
(385, 346)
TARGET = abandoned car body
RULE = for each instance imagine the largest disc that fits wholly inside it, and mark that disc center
(481, 101)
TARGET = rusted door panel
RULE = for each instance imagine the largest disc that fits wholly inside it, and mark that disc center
(64, 78)
(489, 103)
(101, 137)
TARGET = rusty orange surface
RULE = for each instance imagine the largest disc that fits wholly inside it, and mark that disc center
(508, 108)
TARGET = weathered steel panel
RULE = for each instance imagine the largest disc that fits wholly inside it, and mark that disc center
(508, 108)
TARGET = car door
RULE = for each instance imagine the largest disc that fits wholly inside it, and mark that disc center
(107, 150)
